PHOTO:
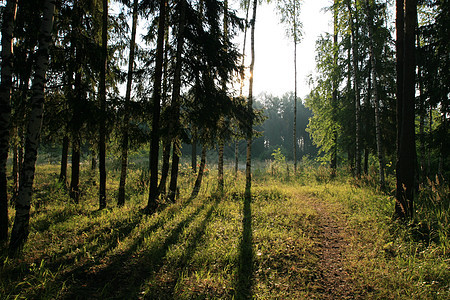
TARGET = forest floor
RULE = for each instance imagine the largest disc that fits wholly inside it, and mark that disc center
(302, 239)
(335, 281)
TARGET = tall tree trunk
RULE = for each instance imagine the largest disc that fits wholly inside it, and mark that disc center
(15, 170)
(9, 15)
(407, 147)
(236, 143)
(422, 115)
(102, 98)
(294, 133)
(93, 159)
(167, 141)
(174, 171)
(165, 166)
(400, 204)
(380, 155)
(248, 165)
(201, 169)
(156, 108)
(20, 151)
(355, 58)
(365, 112)
(20, 229)
(74, 192)
(333, 162)
(220, 179)
(176, 103)
(236, 156)
(77, 98)
(126, 117)
(64, 156)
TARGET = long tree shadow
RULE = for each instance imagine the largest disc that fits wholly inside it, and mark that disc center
(123, 276)
(194, 240)
(243, 288)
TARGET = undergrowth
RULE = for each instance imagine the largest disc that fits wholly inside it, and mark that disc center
(221, 246)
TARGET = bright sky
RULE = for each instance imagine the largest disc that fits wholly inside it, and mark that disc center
(274, 61)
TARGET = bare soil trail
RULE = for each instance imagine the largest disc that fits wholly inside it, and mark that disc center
(333, 280)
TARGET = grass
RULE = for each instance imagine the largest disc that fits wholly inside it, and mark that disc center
(222, 247)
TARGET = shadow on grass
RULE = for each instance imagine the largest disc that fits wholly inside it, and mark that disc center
(123, 276)
(192, 244)
(243, 288)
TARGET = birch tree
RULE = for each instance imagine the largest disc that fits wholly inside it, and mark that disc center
(9, 14)
(20, 229)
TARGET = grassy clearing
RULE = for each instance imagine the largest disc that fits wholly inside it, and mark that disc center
(223, 247)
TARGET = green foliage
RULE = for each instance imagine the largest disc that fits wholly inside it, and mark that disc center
(278, 156)
(202, 249)
(432, 219)
(289, 11)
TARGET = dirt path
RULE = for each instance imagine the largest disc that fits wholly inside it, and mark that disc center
(333, 279)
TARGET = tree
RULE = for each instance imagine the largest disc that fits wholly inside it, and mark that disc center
(220, 181)
(20, 229)
(335, 82)
(374, 76)
(102, 100)
(248, 165)
(156, 110)
(406, 19)
(9, 14)
(353, 20)
(290, 11)
(176, 90)
(126, 118)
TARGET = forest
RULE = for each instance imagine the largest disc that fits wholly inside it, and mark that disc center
(138, 162)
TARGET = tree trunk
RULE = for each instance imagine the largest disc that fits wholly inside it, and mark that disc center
(102, 99)
(376, 98)
(400, 205)
(9, 15)
(201, 169)
(220, 181)
(174, 171)
(333, 162)
(20, 229)
(236, 145)
(236, 156)
(248, 166)
(407, 148)
(294, 137)
(64, 155)
(15, 171)
(354, 42)
(167, 141)
(156, 108)
(74, 192)
(165, 167)
(93, 159)
(422, 115)
(176, 103)
(194, 155)
(126, 117)
(77, 98)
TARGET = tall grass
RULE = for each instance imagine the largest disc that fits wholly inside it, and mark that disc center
(223, 247)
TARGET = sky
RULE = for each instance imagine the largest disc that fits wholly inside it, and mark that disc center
(274, 52)
(274, 61)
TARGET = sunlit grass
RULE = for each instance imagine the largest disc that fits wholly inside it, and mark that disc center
(219, 246)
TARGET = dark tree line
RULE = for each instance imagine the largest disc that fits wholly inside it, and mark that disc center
(70, 55)
(382, 95)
